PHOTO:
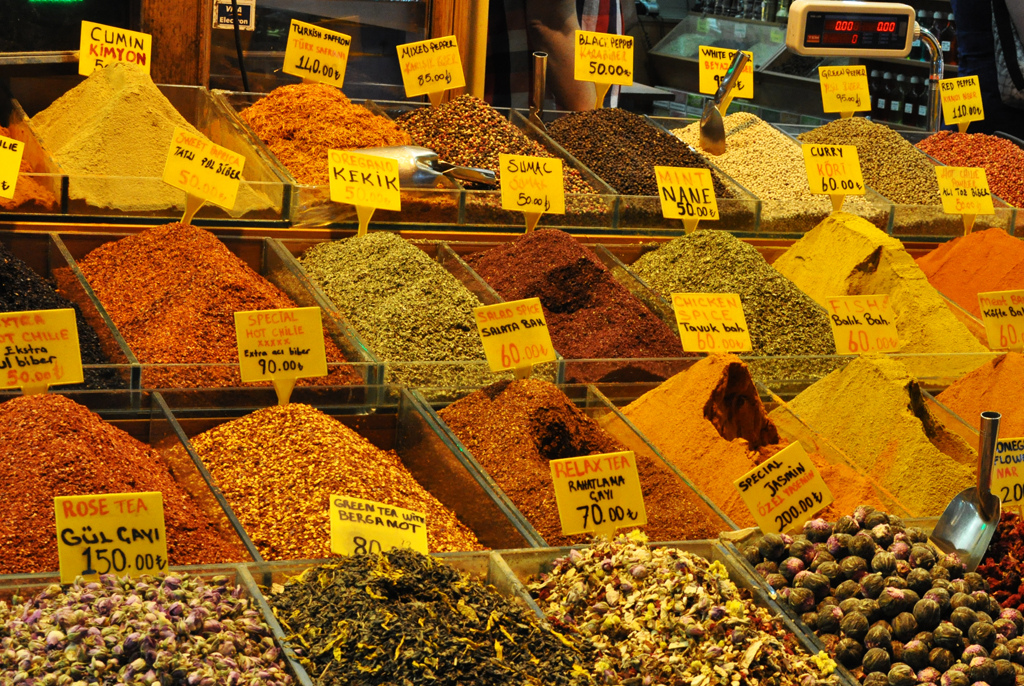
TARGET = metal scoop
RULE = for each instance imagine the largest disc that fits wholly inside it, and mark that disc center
(421, 167)
(969, 521)
(712, 128)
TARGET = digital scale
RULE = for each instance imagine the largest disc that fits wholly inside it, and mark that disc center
(863, 29)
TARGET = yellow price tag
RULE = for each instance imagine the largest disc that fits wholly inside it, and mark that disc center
(1008, 470)
(845, 89)
(714, 62)
(366, 181)
(100, 45)
(687, 194)
(38, 349)
(784, 491)
(360, 527)
(964, 190)
(110, 533)
(531, 185)
(598, 493)
(431, 67)
(11, 151)
(711, 322)
(515, 335)
(202, 169)
(316, 54)
(833, 170)
(862, 324)
(280, 346)
(961, 101)
(604, 59)
(1003, 315)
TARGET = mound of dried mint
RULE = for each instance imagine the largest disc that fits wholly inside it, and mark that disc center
(173, 629)
(403, 618)
(666, 616)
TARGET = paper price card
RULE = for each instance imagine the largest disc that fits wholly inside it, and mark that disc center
(961, 101)
(431, 67)
(714, 62)
(687, 194)
(366, 181)
(203, 170)
(598, 493)
(604, 59)
(39, 348)
(862, 324)
(316, 54)
(110, 533)
(845, 89)
(1003, 314)
(11, 151)
(784, 491)
(280, 346)
(361, 526)
(1008, 470)
(101, 45)
(964, 191)
(515, 335)
(531, 185)
(833, 170)
(711, 322)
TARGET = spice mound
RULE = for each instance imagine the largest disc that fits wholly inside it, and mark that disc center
(292, 459)
(710, 423)
(1002, 161)
(623, 149)
(889, 163)
(467, 131)
(782, 319)
(56, 447)
(514, 429)
(300, 122)
(887, 604)
(874, 412)
(590, 315)
(666, 616)
(980, 262)
(133, 631)
(29, 194)
(1003, 569)
(172, 292)
(404, 618)
(994, 386)
(406, 306)
(846, 255)
(118, 124)
(22, 289)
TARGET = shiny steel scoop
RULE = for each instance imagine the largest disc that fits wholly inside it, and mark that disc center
(712, 128)
(421, 167)
(969, 521)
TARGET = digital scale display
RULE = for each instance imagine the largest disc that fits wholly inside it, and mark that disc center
(855, 30)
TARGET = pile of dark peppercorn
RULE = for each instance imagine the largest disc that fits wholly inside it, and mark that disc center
(21, 289)
(623, 149)
(403, 618)
(889, 606)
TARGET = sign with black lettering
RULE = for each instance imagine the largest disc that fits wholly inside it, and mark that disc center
(784, 491)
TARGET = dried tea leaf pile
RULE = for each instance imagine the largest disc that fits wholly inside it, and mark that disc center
(404, 618)
(665, 616)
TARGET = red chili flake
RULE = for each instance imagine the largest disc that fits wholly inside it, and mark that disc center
(1002, 161)
(1003, 564)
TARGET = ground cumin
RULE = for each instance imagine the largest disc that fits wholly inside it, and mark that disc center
(995, 386)
(710, 423)
(29, 194)
(982, 261)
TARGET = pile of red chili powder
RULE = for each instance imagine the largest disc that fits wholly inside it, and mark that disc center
(590, 315)
(980, 262)
(1003, 564)
(54, 447)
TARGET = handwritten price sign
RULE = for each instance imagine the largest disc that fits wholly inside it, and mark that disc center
(833, 170)
(687, 194)
(604, 58)
(598, 493)
(784, 491)
(961, 101)
(431, 66)
(363, 527)
(515, 334)
(202, 169)
(862, 324)
(1003, 315)
(845, 89)
(532, 185)
(1008, 470)
(11, 151)
(39, 348)
(100, 45)
(280, 346)
(711, 322)
(714, 62)
(316, 54)
(964, 190)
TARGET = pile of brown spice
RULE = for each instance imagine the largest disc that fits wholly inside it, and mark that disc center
(300, 122)
(515, 428)
(55, 447)
(172, 292)
(29, 194)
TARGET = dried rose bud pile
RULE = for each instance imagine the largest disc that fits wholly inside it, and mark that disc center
(665, 616)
